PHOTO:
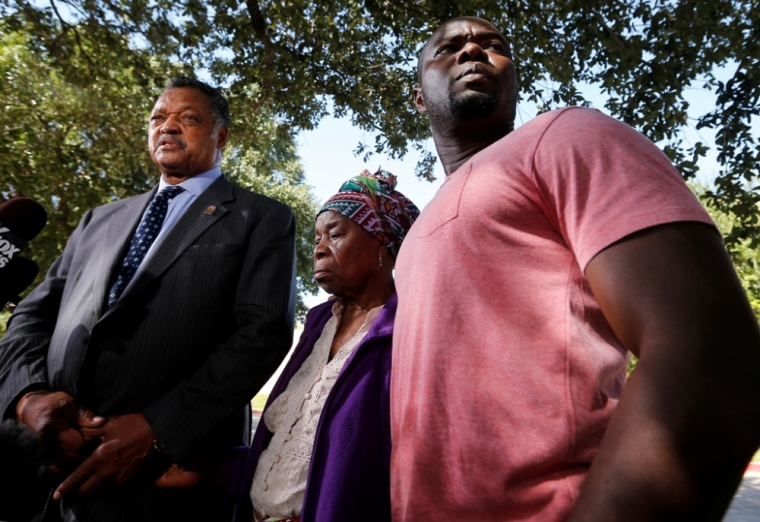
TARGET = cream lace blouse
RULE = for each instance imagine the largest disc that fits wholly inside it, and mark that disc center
(279, 483)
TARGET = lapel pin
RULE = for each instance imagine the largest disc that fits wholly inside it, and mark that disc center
(209, 210)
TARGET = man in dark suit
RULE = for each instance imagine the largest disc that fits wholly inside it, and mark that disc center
(164, 315)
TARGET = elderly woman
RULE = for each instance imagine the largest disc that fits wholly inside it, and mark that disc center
(322, 450)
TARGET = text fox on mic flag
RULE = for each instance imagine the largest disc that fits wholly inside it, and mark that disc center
(21, 219)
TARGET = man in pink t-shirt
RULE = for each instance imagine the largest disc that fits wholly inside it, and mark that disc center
(548, 253)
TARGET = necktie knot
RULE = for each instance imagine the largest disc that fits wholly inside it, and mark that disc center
(169, 193)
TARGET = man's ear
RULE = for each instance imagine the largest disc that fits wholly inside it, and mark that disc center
(221, 137)
(419, 100)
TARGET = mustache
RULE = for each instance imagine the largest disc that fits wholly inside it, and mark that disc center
(169, 138)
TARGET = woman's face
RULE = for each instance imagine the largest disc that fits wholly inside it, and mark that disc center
(345, 255)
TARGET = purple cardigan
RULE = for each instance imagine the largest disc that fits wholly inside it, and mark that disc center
(349, 474)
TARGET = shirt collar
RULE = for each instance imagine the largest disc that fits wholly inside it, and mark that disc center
(198, 183)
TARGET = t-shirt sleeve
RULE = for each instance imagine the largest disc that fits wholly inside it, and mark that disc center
(601, 180)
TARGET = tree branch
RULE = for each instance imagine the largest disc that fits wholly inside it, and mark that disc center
(66, 27)
(259, 26)
(619, 39)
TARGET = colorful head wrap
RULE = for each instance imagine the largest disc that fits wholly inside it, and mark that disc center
(370, 201)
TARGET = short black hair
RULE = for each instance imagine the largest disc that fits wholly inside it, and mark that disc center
(219, 106)
(444, 24)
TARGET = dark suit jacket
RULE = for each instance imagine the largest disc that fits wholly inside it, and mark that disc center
(200, 329)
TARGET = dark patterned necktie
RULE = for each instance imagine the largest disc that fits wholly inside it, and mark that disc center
(144, 237)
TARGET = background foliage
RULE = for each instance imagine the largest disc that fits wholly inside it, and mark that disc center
(79, 76)
(288, 59)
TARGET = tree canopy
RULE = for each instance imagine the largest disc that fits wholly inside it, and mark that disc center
(289, 59)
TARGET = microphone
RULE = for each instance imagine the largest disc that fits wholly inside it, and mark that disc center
(21, 219)
(14, 278)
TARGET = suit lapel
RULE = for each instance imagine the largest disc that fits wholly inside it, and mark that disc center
(121, 226)
(183, 234)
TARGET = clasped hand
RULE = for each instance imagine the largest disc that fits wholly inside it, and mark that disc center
(58, 421)
(113, 449)
(125, 443)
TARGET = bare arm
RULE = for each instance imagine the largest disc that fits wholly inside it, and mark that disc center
(688, 420)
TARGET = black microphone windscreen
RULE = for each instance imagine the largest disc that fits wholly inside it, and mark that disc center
(24, 217)
(15, 277)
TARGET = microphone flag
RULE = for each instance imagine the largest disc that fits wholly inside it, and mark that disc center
(10, 245)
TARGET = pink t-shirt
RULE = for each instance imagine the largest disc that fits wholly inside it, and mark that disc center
(505, 372)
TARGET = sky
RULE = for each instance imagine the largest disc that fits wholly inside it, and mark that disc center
(328, 161)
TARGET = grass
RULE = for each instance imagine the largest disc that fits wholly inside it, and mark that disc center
(258, 402)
